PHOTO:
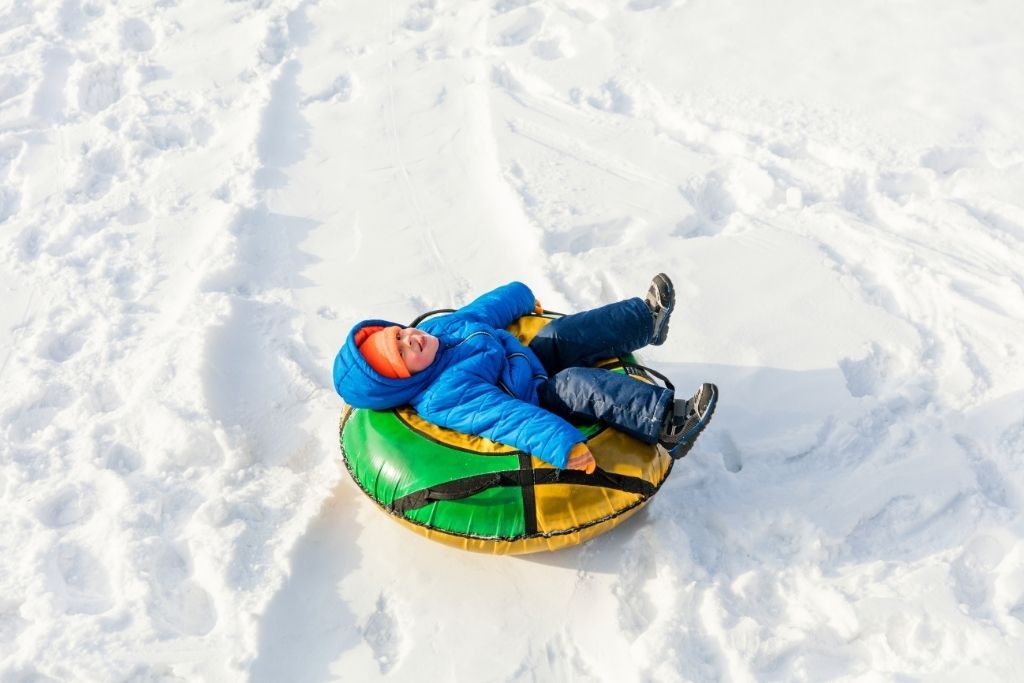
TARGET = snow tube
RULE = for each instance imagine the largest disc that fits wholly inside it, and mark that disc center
(476, 494)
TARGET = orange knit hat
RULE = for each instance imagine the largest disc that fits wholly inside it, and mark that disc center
(379, 346)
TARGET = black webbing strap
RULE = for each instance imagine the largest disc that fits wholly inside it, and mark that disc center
(651, 371)
(423, 316)
(452, 490)
(470, 486)
(528, 478)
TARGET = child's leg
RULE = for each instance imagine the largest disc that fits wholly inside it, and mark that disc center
(629, 405)
(583, 338)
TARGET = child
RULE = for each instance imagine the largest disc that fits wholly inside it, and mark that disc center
(464, 371)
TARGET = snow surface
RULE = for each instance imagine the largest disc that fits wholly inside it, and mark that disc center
(198, 198)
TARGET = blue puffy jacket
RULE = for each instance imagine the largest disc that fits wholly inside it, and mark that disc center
(483, 381)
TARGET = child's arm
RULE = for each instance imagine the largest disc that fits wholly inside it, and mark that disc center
(500, 306)
(477, 407)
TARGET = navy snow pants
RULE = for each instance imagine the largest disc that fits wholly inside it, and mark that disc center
(568, 345)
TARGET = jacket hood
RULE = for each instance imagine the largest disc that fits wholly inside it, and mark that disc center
(363, 387)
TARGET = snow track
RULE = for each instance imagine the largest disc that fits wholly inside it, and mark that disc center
(146, 259)
(197, 200)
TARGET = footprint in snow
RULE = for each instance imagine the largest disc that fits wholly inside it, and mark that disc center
(756, 592)
(421, 16)
(10, 197)
(11, 621)
(152, 72)
(858, 196)
(636, 611)
(521, 29)
(84, 581)
(62, 346)
(284, 34)
(99, 87)
(178, 602)
(644, 5)
(120, 458)
(134, 213)
(35, 413)
(10, 203)
(73, 18)
(549, 48)
(103, 397)
(1011, 443)
(713, 205)
(869, 375)
(12, 85)
(383, 634)
(506, 6)
(10, 150)
(613, 96)
(991, 481)
(340, 90)
(110, 453)
(879, 531)
(160, 138)
(948, 160)
(50, 97)
(97, 171)
(583, 238)
(974, 573)
(732, 458)
(558, 659)
(275, 43)
(136, 35)
(902, 187)
(72, 505)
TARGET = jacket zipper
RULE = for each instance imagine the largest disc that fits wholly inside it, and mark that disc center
(463, 341)
(501, 385)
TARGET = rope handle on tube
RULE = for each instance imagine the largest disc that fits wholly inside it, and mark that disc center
(439, 311)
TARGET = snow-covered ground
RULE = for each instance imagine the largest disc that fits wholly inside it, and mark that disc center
(198, 198)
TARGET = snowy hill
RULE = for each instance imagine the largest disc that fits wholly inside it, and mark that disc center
(198, 199)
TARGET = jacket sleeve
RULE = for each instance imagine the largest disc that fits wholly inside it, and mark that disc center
(473, 406)
(499, 307)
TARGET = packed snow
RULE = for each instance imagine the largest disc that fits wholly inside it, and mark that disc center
(199, 198)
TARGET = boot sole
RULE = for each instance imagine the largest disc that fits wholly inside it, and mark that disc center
(661, 322)
(690, 438)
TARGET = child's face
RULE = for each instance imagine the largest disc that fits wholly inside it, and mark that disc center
(417, 348)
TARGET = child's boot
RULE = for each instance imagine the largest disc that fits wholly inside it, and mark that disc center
(661, 299)
(686, 419)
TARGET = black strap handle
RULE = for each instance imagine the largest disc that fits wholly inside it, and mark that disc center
(423, 316)
(452, 490)
(470, 486)
(650, 371)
